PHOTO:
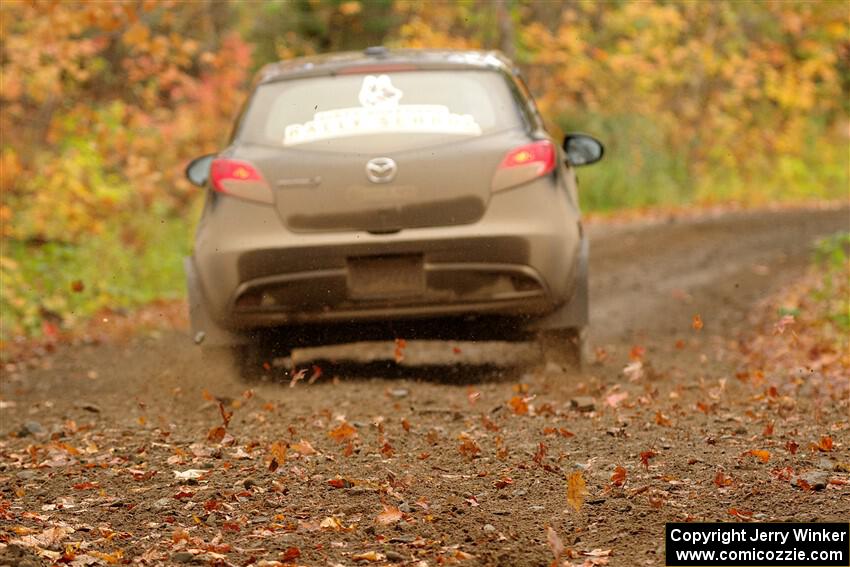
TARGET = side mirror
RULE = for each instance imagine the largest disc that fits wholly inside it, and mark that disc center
(198, 170)
(582, 149)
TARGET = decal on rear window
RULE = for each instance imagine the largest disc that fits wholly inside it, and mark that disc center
(380, 113)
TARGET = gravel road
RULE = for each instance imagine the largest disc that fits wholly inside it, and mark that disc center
(450, 456)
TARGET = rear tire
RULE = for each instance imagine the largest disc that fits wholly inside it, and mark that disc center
(256, 360)
(565, 348)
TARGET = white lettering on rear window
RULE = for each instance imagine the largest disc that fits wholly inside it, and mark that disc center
(380, 113)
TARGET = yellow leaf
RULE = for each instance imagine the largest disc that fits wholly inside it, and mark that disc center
(350, 8)
(576, 490)
(136, 35)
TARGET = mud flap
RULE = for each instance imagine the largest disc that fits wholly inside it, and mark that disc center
(205, 331)
(575, 313)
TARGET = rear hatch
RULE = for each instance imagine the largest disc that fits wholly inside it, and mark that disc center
(381, 152)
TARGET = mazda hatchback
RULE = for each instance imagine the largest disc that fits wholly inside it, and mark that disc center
(389, 190)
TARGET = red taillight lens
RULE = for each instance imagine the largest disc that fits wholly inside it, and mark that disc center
(525, 163)
(240, 179)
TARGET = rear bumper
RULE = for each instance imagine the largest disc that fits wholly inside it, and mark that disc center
(519, 259)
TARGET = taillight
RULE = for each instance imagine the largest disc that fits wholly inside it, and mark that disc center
(524, 164)
(240, 179)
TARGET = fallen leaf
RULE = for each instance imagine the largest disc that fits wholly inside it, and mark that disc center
(633, 371)
(760, 454)
(303, 447)
(792, 447)
(779, 327)
(619, 476)
(331, 523)
(225, 415)
(645, 456)
(576, 490)
(616, 398)
(340, 482)
(297, 376)
(722, 480)
(290, 554)
(597, 553)
(743, 514)
(489, 424)
(697, 323)
(662, 419)
(343, 432)
(468, 447)
(400, 345)
(518, 405)
(390, 515)
(555, 543)
(825, 444)
(216, 434)
(370, 556)
(540, 454)
(190, 474)
(637, 352)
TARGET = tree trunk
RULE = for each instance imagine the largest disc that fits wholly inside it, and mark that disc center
(506, 28)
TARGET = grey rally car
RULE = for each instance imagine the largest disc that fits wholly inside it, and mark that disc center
(386, 191)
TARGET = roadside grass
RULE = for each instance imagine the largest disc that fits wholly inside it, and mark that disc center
(640, 170)
(54, 285)
(801, 335)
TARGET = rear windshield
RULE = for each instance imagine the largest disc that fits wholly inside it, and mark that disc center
(405, 108)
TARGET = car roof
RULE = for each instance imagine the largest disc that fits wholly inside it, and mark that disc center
(379, 57)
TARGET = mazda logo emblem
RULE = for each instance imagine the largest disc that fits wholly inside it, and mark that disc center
(381, 170)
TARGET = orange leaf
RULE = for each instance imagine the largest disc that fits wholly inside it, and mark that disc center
(290, 554)
(645, 456)
(540, 454)
(743, 514)
(619, 476)
(343, 432)
(468, 447)
(390, 515)
(825, 444)
(216, 434)
(637, 353)
(760, 454)
(518, 405)
(792, 447)
(697, 324)
(662, 419)
(340, 482)
(576, 490)
(722, 480)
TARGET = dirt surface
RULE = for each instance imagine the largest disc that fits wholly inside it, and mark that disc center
(447, 457)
